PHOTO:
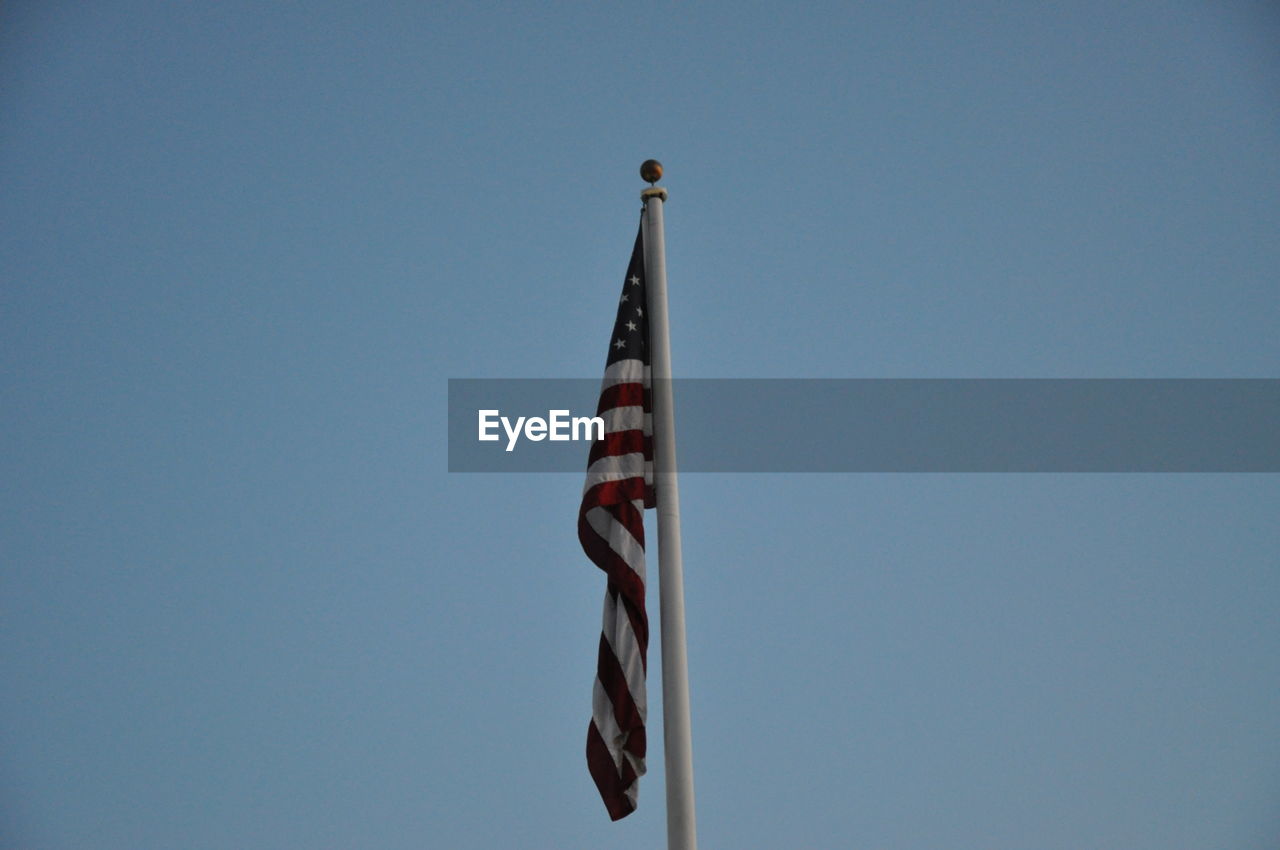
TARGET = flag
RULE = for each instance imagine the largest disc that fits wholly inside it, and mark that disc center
(618, 488)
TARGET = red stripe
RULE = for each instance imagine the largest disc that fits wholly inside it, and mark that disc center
(618, 443)
(593, 542)
(639, 622)
(639, 627)
(631, 394)
(612, 785)
(622, 578)
(614, 682)
(618, 497)
(621, 491)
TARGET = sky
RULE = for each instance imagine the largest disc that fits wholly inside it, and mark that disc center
(244, 246)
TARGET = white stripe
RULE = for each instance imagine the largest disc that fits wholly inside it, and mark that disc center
(626, 648)
(615, 468)
(618, 538)
(630, 371)
(633, 790)
(606, 724)
(628, 418)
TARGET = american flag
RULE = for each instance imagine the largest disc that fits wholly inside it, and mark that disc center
(619, 487)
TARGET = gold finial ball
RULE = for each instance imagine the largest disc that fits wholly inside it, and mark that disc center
(651, 171)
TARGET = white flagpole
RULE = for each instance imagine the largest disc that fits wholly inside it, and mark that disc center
(677, 737)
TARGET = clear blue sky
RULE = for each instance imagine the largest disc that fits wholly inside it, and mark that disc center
(243, 246)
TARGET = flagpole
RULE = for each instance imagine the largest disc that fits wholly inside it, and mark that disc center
(677, 736)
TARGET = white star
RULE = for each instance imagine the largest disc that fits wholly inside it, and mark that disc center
(620, 344)
(624, 298)
(631, 326)
(639, 312)
(634, 281)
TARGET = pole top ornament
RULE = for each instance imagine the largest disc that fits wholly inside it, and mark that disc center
(651, 171)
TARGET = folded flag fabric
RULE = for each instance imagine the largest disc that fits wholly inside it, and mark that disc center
(618, 488)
